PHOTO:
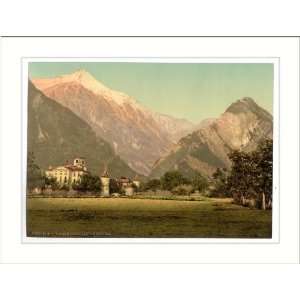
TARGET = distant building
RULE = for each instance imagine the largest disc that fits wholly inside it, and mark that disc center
(129, 190)
(124, 182)
(68, 173)
(128, 186)
(80, 163)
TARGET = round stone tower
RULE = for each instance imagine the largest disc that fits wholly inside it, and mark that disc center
(105, 183)
(136, 182)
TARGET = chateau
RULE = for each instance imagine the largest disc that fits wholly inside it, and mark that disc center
(69, 173)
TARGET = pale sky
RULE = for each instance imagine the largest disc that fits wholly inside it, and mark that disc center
(194, 91)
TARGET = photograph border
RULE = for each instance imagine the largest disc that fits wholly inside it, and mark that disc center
(81, 240)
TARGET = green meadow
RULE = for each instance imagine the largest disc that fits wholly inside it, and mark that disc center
(145, 218)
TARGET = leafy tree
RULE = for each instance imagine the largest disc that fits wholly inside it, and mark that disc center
(241, 176)
(251, 174)
(35, 176)
(172, 179)
(153, 185)
(183, 189)
(220, 183)
(263, 183)
(114, 187)
(199, 183)
(88, 182)
(52, 182)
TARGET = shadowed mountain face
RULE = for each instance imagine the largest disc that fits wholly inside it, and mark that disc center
(137, 134)
(55, 134)
(241, 126)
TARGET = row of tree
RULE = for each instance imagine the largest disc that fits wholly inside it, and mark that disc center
(92, 183)
(175, 182)
(35, 177)
(250, 177)
(248, 181)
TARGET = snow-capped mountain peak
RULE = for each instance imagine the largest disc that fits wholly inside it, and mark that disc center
(88, 81)
(91, 83)
(85, 78)
(139, 135)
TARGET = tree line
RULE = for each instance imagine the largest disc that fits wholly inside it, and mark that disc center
(176, 183)
(250, 179)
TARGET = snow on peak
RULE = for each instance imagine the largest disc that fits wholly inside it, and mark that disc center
(86, 79)
(89, 82)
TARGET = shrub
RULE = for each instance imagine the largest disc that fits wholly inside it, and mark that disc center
(183, 189)
(172, 179)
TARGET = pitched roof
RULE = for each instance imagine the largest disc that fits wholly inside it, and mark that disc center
(74, 168)
(69, 166)
(105, 174)
(124, 179)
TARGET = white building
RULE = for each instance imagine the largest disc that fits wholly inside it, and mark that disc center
(69, 173)
(105, 183)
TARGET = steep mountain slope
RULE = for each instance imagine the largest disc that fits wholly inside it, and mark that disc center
(174, 127)
(56, 134)
(204, 123)
(241, 126)
(137, 134)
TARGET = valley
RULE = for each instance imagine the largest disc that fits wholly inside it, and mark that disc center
(151, 143)
(102, 164)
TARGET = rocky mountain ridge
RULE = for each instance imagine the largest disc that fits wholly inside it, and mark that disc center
(139, 135)
(241, 126)
(56, 134)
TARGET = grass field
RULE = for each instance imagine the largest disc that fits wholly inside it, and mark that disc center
(125, 217)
